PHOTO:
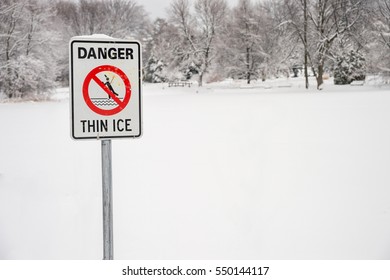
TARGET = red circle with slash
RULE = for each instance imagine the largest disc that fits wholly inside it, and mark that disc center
(120, 104)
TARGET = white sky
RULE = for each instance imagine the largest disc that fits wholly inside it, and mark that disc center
(157, 8)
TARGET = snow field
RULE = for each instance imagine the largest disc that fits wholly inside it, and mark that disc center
(219, 173)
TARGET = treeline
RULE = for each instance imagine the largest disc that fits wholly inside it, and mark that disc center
(34, 38)
(201, 39)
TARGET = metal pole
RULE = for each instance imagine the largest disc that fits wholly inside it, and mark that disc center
(108, 238)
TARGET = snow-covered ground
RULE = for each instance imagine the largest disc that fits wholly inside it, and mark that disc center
(269, 171)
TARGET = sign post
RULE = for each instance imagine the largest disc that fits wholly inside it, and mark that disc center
(108, 238)
(105, 101)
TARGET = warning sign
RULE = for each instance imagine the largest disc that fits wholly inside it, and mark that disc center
(105, 77)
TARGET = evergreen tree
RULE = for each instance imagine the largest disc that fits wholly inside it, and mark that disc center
(153, 71)
(350, 66)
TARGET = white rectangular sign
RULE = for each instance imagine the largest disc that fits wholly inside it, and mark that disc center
(105, 88)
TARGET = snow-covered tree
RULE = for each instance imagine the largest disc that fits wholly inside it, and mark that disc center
(378, 44)
(330, 19)
(199, 32)
(160, 48)
(27, 62)
(383, 22)
(327, 21)
(116, 18)
(244, 42)
(256, 43)
(11, 16)
(277, 43)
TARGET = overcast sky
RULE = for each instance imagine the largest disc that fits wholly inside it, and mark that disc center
(157, 8)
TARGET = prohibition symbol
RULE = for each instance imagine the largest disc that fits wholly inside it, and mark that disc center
(102, 95)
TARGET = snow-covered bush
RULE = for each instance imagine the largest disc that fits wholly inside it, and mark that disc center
(349, 67)
(27, 76)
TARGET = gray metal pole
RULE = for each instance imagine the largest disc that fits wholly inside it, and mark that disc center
(108, 238)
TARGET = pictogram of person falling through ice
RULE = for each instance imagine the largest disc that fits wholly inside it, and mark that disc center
(109, 86)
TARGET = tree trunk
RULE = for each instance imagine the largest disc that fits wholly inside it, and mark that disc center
(8, 81)
(248, 69)
(319, 76)
(200, 80)
(305, 44)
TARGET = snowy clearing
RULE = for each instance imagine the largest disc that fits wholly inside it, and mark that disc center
(269, 171)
